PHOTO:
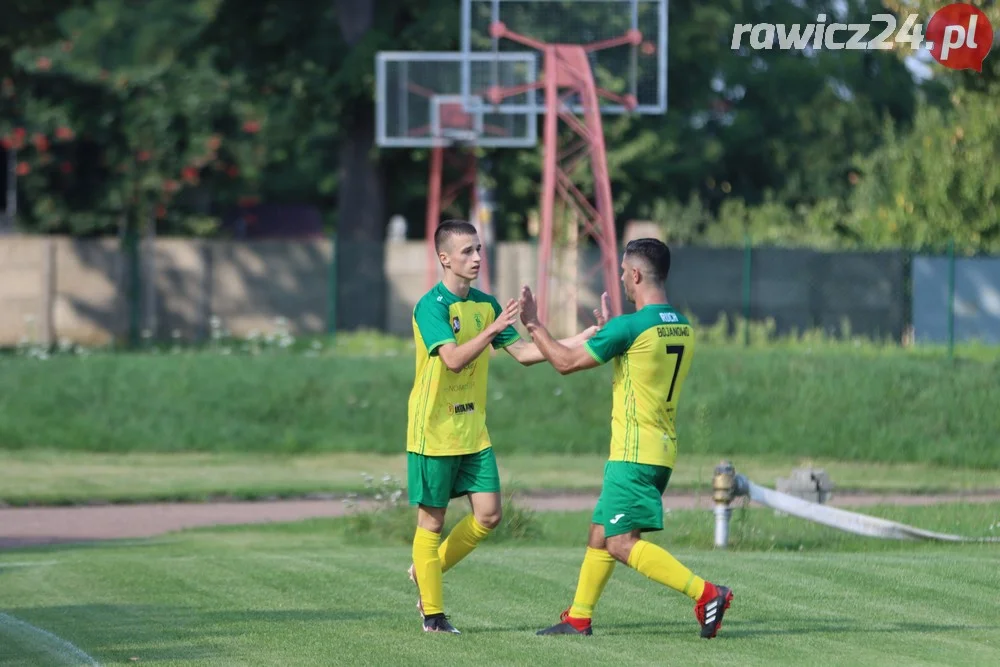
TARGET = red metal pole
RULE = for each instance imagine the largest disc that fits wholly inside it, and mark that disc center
(484, 265)
(602, 193)
(550, 166)
(433, 211)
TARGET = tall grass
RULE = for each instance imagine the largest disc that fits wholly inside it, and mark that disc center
(811, 396)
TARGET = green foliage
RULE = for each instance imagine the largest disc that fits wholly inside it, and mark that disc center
(937, 183)
(387, 518)
(180, 112)
(131, 90)
(747, 133)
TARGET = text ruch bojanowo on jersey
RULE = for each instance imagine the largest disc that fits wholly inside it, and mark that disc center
(652, 350)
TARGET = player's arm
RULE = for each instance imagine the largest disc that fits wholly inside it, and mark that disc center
(528, 354)
(611, 339)
(564, 358)
(456, 357)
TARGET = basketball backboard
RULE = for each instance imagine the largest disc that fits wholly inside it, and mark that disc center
(421, 100)
(626, 44)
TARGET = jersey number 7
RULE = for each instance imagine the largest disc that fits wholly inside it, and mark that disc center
(679, 351)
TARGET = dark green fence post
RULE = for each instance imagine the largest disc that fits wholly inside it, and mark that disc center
(747, 265)
(134, 283)
(951, 298)
(331, 316)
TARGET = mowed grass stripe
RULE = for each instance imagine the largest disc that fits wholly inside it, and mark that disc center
(882, 599)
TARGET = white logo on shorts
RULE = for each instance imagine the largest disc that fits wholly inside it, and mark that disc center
(617, 516)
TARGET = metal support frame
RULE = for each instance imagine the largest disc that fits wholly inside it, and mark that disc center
(568, 75)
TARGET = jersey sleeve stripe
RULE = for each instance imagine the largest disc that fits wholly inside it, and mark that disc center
(596, 356)
(510, 342)
(434, 346)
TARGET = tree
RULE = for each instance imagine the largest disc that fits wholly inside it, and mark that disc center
(147, 108)
(753, 126)
(936, 183)
(22, 23)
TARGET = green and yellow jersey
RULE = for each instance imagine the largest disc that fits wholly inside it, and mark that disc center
(652, 350)
(447, 411)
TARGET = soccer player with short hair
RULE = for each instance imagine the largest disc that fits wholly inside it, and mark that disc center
(651, 350)
(449, 453)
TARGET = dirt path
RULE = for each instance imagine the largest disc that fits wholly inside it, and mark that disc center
(59, 525)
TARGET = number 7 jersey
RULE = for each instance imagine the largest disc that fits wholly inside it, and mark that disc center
(652, 350)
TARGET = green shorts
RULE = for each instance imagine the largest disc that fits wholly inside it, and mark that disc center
(434, 480)
(631, 497)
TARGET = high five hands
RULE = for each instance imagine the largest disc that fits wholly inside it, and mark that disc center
(529, 311)
(602, 315)
(529, 307)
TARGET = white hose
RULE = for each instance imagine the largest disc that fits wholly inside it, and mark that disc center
(851, 522)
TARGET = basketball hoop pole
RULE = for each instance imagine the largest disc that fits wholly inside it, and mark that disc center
(433, 211)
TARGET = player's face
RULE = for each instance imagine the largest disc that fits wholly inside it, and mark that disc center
(461, 256)
(629, 279)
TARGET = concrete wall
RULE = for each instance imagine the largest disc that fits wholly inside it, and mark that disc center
(58, 288)
(24, 294)
(84, 289)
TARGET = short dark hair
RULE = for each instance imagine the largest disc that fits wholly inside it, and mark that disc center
(450, 228)
(654, 253)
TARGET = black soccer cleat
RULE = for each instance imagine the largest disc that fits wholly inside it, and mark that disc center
(710, 613)
(439, 623)
(564, 627)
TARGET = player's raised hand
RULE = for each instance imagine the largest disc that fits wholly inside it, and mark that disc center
(529, 307)
(603, 314)
(507, 317)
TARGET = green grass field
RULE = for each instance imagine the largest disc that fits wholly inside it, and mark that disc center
(315, 418)
(320, 593)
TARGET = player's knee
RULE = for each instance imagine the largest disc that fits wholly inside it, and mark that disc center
(620, 548)
(490, 520)
(617, 552)
(431, 520)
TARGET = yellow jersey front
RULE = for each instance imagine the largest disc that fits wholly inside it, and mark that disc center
(652, 350)
(447, 411)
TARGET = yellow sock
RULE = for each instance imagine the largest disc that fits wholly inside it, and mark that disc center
(461, 541)
(594, 574)
(427, 565)
(660, 566)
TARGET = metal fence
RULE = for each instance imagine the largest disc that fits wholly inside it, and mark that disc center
(102, 291)
(956, 299)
